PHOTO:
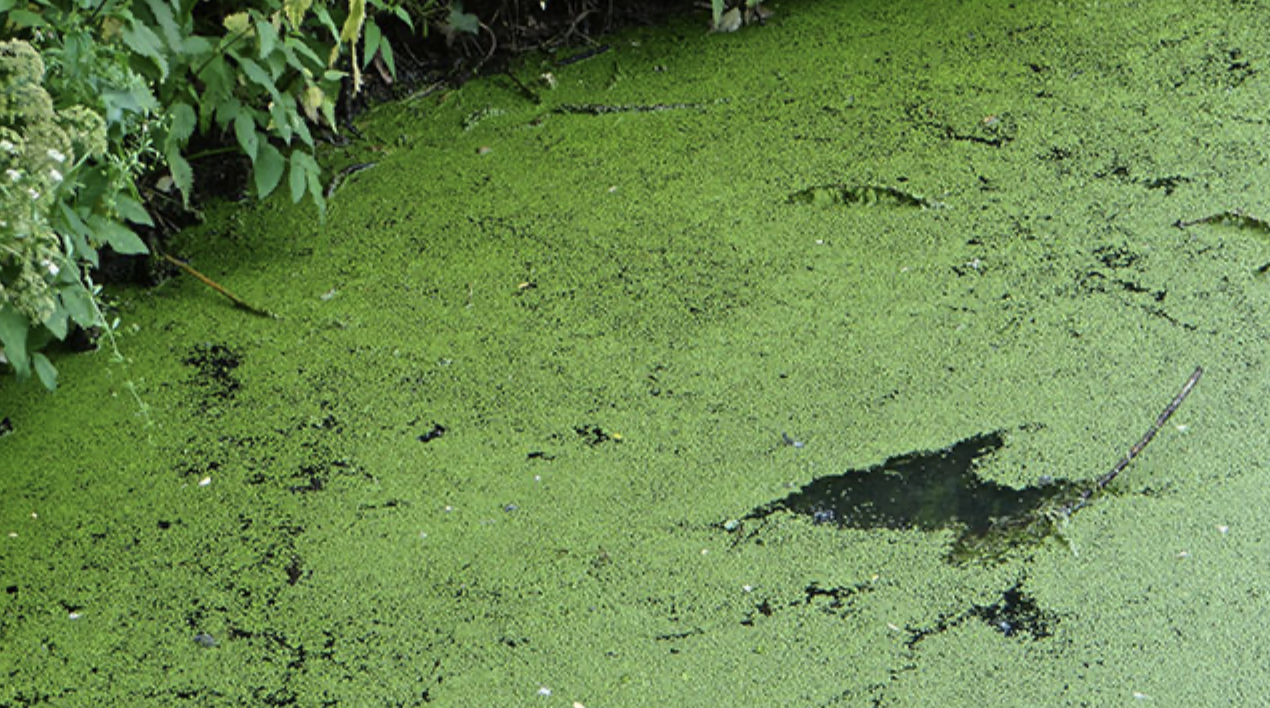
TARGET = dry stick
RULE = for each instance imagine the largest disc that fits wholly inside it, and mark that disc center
(218, 288)
(1104, 480)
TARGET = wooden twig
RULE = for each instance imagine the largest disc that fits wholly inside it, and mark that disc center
(1134, 451)
(219, 288)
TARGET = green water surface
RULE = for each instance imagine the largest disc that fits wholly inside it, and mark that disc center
(539, 356)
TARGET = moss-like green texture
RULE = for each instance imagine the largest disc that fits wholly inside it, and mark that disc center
(539, 355)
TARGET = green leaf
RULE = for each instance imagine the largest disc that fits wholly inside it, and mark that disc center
(371, 37)
(385, 49)
(182, 173)
(219, 79)
(162, 12)
(245, 130)
(281, 121)
(45, 370)
(25, 18)
(259, 76)
(295, 10)
(78, 302)
(404, 16)
(75, 228)
(268, 37)
(352, 28)
(305, 51)
(226, 111)
(143, 41)
(117, 236)
(195, 48)
(132, 210)
(13, 331)
(56, 323)
(183, 123)
(460, 21)
(269, 166)
(324, 17)
(299, 126)
(298, 179)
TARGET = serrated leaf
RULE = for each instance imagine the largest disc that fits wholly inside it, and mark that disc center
(295, 10)
(304, 50)
(182, 174)
(352, 28)
(45, 370)
(324, 17)
(226, 111)
(245, 131)
(79, 305)
(183, 123)
(13, 332)
(219, 80)
(132, 210)
(258, 75)
(143, 41)
(268, 169)
(301, 128)
(162, 12)
(237, 23)
(56, 323)
(311, 101)
(281, 125)
(315, 189)
(116, 235)
(76, 231)
(268, 37)
(297, 179)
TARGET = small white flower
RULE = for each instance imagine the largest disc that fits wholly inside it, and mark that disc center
(35, 193)
(14, 175)
(53, 153)
(57, 176)
(50, 266)
(8, 147)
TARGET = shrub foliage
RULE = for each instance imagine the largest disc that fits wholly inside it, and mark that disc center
(97, 95)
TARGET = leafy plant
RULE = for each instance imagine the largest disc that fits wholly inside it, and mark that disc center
(96, 95)
(47, 184)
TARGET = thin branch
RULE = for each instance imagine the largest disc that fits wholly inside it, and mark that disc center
(1134, 451)
(219, 288)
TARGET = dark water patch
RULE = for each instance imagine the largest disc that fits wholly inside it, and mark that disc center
(1015, 615)
(869, 195)
(432, 433)
(214, 370)
(595, 435)
(927, 491)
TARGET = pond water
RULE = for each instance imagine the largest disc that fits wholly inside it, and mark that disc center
(537, 359)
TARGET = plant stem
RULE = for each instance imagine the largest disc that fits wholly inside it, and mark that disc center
(218, 288)
(1134, 451)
